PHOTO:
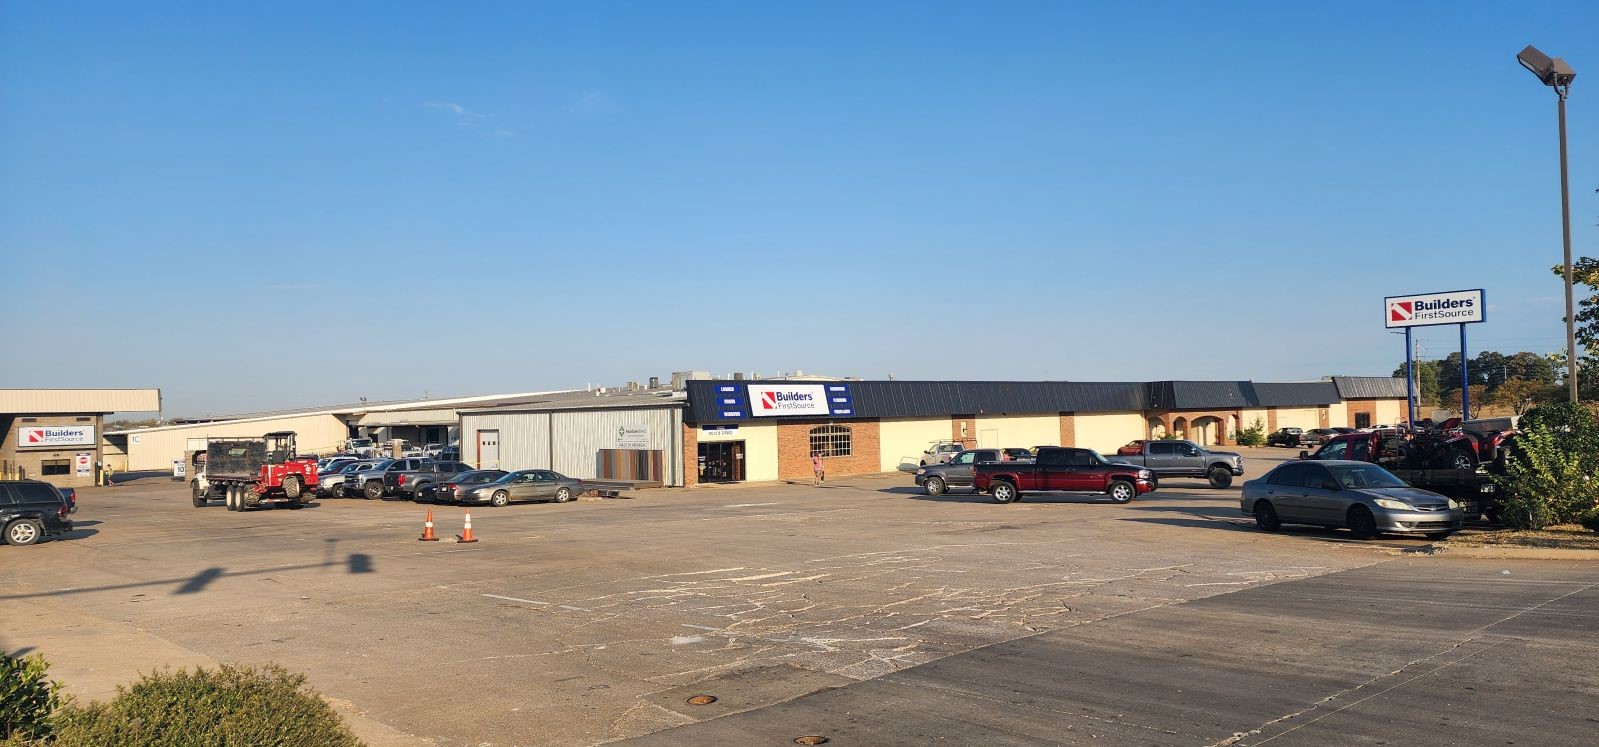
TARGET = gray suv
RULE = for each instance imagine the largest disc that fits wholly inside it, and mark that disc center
(957, 472)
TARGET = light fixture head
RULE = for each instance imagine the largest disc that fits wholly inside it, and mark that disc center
(1551, 71)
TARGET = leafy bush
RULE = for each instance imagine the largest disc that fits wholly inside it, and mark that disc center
(28, 700)
(1169, 436)
(1591, 520)
(1254, 435)
(267, 707)
(1549, 476)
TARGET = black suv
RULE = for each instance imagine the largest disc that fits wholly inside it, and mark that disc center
(30, 510)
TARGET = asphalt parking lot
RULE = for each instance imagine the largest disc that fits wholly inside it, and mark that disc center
(803, 609)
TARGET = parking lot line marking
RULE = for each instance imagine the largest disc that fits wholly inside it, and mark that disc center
(574, 609)
(748, 505)
(701, 627)
(515, 599)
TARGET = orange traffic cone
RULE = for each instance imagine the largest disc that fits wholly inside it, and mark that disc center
(427, 529)
(466, 535)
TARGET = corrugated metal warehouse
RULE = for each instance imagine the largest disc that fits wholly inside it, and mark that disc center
(575, 434)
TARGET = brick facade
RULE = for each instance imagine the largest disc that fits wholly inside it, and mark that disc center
(1233, 417)
(1068, 429)
(1365, 406)
(969, 440)
(794, 449)
(691, 455)
(13, 456)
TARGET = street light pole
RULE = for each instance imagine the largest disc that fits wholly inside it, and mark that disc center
(1555, 73)
(1565, 229)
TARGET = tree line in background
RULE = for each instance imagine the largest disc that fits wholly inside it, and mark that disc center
(1513, 382)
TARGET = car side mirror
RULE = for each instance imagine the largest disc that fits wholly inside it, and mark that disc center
(1304, 455)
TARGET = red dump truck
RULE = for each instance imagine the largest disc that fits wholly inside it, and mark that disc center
(251, 473)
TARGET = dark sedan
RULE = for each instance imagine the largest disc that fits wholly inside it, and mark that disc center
(455, 489)
(526, 485)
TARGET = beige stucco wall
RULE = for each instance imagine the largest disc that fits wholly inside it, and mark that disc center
(1338, 415)
(154, 449)
(1298, 417)
(1106, 431)
(1021, 431)
(1389, 411)
(900, 439)
(760, 448)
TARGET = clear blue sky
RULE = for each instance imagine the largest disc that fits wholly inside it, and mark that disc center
(253, 207)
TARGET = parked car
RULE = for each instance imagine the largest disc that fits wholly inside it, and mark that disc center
(936, 479)
(1168, 458)
(334, 463)
(31, 510)
(1064, 469)
(432, 451)
(332, 483)
(355, 482)
(455, 489)
(1132, 448)
(940, 452)
(1318, 436)
(372, 484)
(408, 482)
(1362, 497)
(526, 485)
(1286, 437)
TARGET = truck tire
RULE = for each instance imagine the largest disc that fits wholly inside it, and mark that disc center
(197, 494)
(373, 490)
(248, 498)
(1220, 477)
(1004, 491)
(230, 496)
(934, 486)
(1121, 491)
(24, 532)
(292, 487)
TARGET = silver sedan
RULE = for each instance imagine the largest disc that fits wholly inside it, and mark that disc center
(1363, 497)
(526, 485)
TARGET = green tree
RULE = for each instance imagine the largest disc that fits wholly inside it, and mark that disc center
(1520, 395)
(1448, 375)
(1530, 367)
(1549, 473)
(1488, 368)
(1427, 381)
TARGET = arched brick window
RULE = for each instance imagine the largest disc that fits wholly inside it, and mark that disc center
(830, 440)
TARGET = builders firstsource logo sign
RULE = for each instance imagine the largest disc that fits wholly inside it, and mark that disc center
(788, 399)
(49, 436)
(1454, 307)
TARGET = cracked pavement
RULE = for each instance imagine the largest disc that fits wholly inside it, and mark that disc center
(592, 622)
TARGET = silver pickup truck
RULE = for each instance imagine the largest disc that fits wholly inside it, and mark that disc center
(1186, 459)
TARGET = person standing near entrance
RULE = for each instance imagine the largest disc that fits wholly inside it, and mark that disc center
(816, 466)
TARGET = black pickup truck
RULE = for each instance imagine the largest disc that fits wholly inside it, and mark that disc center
(409, 482)
(1169, 458)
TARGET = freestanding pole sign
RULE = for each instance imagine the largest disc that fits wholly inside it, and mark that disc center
(1461, 307)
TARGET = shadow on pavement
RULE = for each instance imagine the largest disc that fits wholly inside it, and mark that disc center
(354, 563)
(1320, 534)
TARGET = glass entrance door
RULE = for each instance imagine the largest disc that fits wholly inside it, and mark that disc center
(721, 461)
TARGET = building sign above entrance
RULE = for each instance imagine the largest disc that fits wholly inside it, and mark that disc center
(1427, 309)
(34, 437)
(767, 400)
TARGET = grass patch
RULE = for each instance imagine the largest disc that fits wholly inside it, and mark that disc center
(1562, 537)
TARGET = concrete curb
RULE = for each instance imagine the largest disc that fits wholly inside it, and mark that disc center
(1513, 553)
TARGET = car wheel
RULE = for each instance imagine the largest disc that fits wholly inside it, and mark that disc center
(24, 532)
(563, 495)
(500, 499)
(1121, 491)
(1003, 491)
(1361, 523)
(1266, 517)
(934, 486)
(1463, 460)
(1220, 477)
(1438, 536)
(198, 495)
(373, 490)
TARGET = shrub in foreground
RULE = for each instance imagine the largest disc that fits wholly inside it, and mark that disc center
(1549, 476)
(267, 707)
(28, 699)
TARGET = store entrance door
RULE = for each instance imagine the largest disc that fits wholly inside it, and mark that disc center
(722, 461)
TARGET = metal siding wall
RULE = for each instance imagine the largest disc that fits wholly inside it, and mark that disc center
(320, 434)
(579, 436)
(524, 439)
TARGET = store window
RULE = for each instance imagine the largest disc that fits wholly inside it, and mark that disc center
(830, 440)
(55, 467)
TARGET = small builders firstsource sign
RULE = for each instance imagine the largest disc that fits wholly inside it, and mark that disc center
(44, 437)
(1426, 309)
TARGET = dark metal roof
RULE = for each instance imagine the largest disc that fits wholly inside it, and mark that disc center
(907, 399)
(1370, 387)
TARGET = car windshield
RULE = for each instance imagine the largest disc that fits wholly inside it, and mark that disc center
(1358, 476)
(381, 464)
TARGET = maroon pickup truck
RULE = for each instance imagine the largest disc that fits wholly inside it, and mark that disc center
(1064, 469)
